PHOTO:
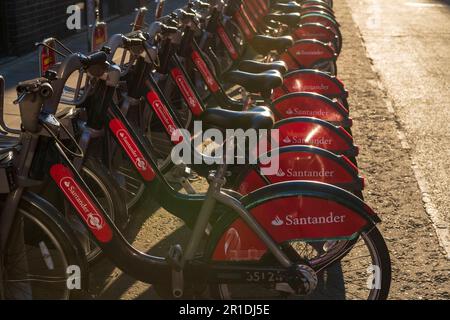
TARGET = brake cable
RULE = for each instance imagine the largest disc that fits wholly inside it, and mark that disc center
(61, 144)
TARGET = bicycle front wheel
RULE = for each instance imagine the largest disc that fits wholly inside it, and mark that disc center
(40, 257)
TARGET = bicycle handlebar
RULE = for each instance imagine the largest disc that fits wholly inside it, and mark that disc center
(32, 94)
(96, 58)
(95, 63)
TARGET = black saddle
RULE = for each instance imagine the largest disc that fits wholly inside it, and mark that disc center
(264, 44)
(290, 19)
(262, 82)
(257, 118)
(253, 66)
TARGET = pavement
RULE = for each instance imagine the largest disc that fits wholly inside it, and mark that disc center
(26, 67)
(420, 264)
(408, 43)
(394, 64)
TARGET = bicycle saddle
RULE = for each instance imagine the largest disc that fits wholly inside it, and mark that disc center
(262, 82)
(264, 44)
(253, 66)
(288, 7)
(290, 19)
(256, 118)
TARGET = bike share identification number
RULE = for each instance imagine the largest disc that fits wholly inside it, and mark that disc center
(258, 276)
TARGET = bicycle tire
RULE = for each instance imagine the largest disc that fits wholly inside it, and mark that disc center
(36, 209)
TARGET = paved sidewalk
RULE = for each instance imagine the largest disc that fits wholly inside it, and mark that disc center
(27, 67)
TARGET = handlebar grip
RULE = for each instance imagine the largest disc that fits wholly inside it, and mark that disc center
(131, 42)
(168, 29)
(96, 58)
(202, 5)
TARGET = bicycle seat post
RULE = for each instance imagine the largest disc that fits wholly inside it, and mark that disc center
(216, 182)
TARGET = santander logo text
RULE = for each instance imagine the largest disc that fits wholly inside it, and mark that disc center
(309, 53)
(289, 220)
(298, 139)
(131, 149)
(163, 114)
(186, 91)
(227, 42)
(212, 84)
(82, 203)
(305, 173)
(305, 112)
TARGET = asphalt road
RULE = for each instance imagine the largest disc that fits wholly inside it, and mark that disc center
(409, 42)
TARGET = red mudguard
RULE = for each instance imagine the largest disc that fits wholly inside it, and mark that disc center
(308, 104)
(317, 133)
(308, 164)
(305, 54)
(313, 8)
(308, 80)
(310, 211)
(322, 19)
(318, 32)
(313, 3)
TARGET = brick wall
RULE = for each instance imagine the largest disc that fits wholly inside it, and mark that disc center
(28, 21)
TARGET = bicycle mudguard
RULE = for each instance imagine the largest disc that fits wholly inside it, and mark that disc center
(319, 32)
(305, 163)
(326, 20)
(309, 80)
(308, 3)
(308, 104)
(296, 210)
(313, 8)
(305, 54)
(317, 133)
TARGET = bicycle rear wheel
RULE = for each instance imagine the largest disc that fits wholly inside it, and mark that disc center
(362, 271)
